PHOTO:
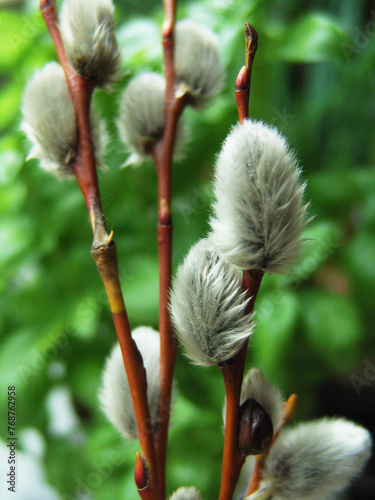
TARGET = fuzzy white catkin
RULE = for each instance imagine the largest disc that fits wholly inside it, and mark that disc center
(197, 63)
(49, 120)
(315, 460)
(259, 212)
(208, 306)
(141, 119)
(186, 494)
(115, 394)
(87, 29)
(256, 386)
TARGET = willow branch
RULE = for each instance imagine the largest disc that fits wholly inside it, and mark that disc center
(163, 155)
(233, 459)
(104, 250)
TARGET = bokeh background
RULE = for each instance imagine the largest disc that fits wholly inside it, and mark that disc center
(314, 79)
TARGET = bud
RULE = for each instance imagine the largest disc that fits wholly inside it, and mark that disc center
(186, 494)
(314, 460)
(142, 114)
(140, 472)
(87, 30)
(259, 214)
(256, 386)
(49, 120)
(197, 65)
(208, 306)
(255, 428)
(115, 394)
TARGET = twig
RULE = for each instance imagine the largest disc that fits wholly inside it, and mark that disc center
(243, 80)
(163, 154)
(104, 251)
(233, 373)
(233, 459)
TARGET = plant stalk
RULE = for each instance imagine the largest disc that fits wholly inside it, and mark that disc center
(163, 155)
(233, 459)
(104, 251)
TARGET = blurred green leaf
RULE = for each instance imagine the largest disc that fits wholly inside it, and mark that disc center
(320, 241)
(313, 38)
(276, 317)
(17, 33)
(333, 328)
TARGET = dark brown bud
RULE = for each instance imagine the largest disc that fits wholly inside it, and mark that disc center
(255, 428)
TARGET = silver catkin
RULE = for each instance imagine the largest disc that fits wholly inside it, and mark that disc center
(185, 493)
(88, 33)
(49, 120)
(259, 212)
(115, 394)
(315, 460)
(141, 118)
(197, 63)
(208, 306)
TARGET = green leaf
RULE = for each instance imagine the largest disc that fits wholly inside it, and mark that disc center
(333, 328)
(17, 33)
(276, 317)
(11, 163)
(358, 258)
(141, 41)
(313, 38)
(320, 241)
(10, 104)
(15, 236)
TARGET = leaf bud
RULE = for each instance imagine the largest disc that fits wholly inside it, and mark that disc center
(255, 428)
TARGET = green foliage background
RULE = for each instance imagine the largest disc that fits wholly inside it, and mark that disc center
(313, 78)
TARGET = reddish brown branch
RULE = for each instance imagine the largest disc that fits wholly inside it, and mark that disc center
(233, 460)
(163, 155)
(233, 373)
(104, 252)
(81, 90)
(256, 477)
(106, 261)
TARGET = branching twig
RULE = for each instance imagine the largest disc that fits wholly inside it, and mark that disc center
(104, 251)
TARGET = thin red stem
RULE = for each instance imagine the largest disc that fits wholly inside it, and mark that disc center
(255, 478)
(104, 252)
(233, 460)
(163, 154)
(81, 90)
